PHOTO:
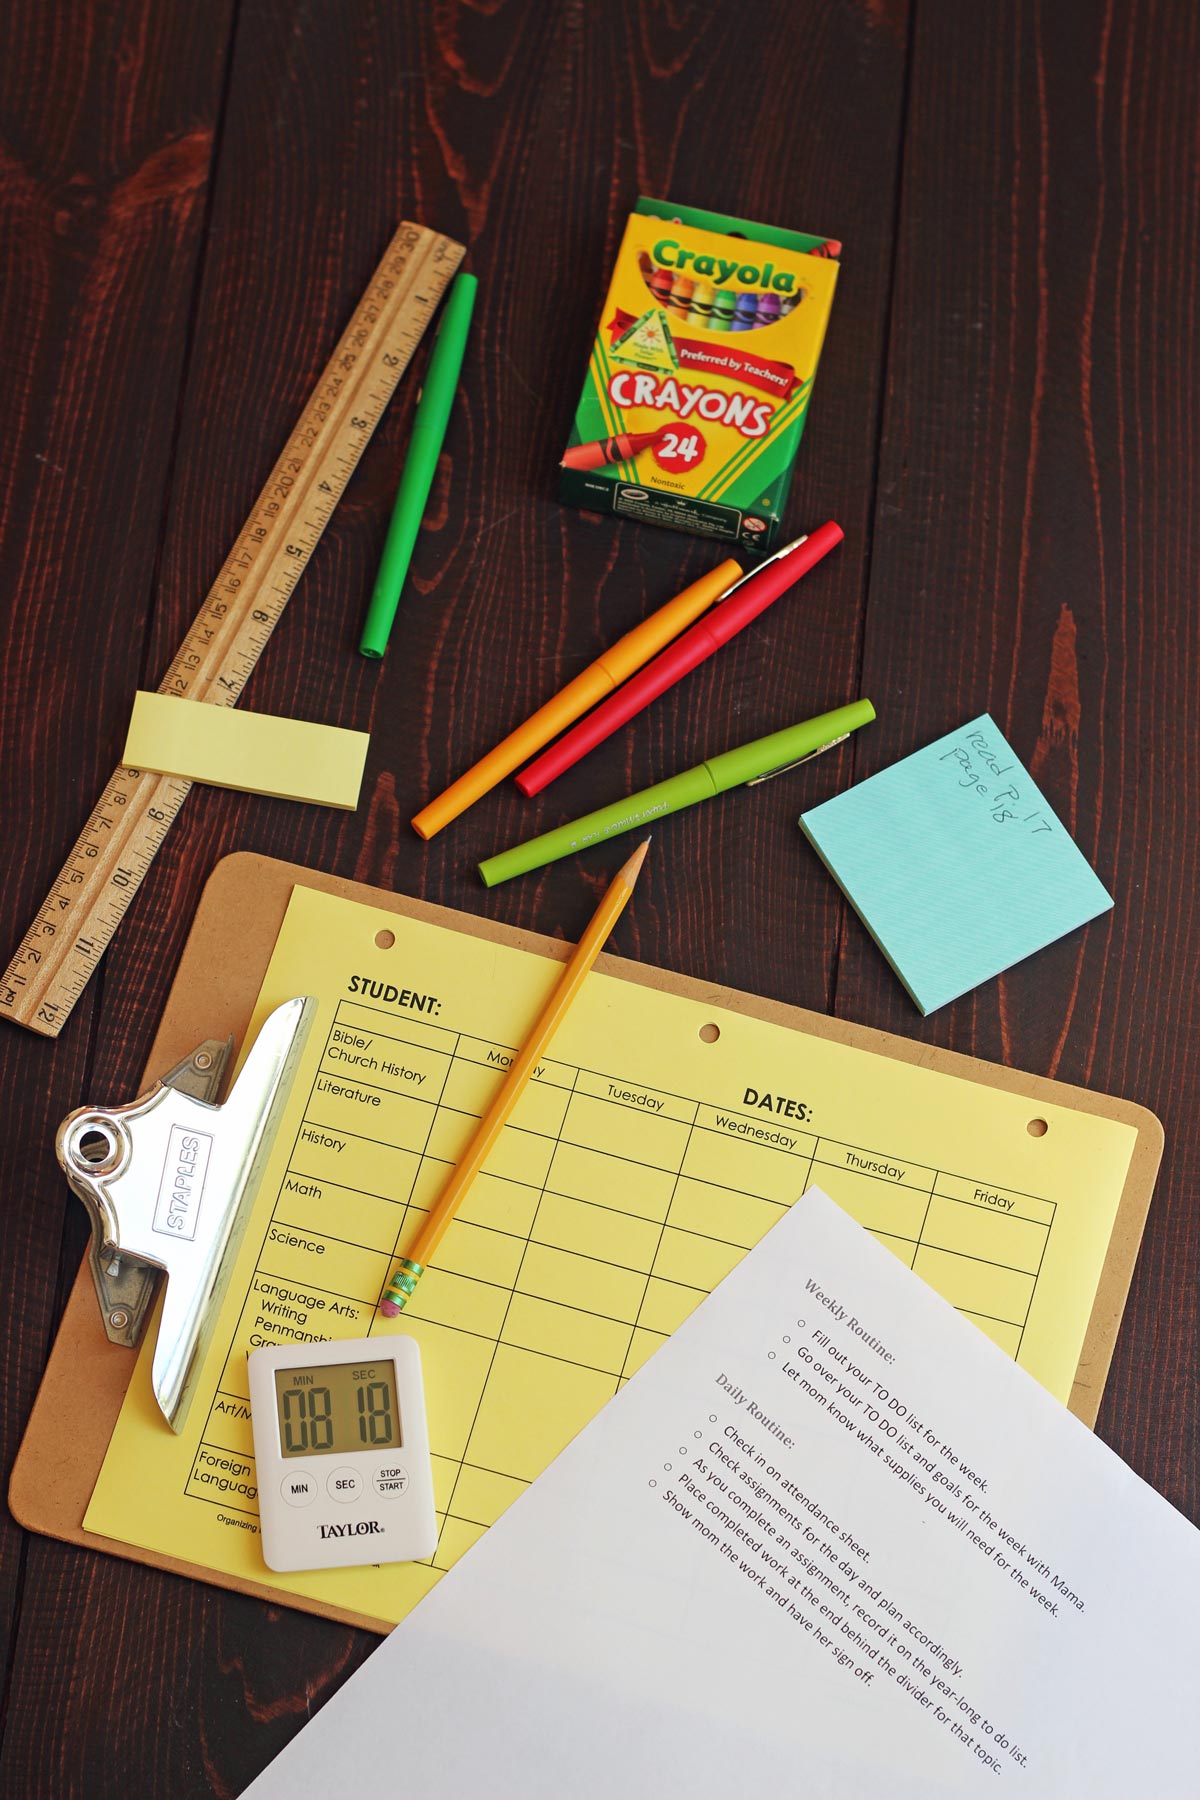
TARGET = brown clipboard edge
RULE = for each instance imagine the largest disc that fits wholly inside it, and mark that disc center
(213, 994)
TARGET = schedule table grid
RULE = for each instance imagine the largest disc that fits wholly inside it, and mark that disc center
(583, 1260)
(992, 1282)
(422, 1154)
(449, 1510)
(624, 1376)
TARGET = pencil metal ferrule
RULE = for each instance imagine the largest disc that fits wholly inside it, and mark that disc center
(402, 1286)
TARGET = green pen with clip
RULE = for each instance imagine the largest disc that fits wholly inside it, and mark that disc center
(747, 763)
(420, 465)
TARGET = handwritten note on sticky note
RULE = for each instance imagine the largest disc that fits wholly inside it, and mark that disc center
(955, 863)
(256, 753)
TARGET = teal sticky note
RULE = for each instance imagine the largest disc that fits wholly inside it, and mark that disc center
(955, 863)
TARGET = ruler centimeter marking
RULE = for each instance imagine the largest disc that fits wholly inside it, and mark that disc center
(131, 819)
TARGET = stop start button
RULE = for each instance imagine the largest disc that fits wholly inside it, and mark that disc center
(390, 1481)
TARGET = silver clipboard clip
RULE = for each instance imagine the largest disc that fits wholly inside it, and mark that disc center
(757, 780)
(167, 1181)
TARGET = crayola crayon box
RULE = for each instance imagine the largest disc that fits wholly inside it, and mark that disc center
(701, 373)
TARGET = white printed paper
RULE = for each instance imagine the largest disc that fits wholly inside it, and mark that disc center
(829, 1541)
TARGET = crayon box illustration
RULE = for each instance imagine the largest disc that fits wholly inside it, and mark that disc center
(701, 373)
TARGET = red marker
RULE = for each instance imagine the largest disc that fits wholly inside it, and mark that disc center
(613, 449)
(744, 601)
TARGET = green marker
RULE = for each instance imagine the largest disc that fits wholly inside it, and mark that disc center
(749, 762)
(429, 429)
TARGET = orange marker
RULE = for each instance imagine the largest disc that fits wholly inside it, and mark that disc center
(617, 663)
(612, 449)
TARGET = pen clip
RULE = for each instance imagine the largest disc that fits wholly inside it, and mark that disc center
(758, 780)
(759, 567)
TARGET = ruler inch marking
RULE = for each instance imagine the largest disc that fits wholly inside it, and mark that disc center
(129, 823)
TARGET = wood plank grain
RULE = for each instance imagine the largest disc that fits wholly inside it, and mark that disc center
(1035, 556)
(529, 134)
(510, 594)
(107, 124)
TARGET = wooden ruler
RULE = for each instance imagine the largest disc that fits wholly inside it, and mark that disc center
(136, 809)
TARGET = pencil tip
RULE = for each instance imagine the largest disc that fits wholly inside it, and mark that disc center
(633, 867)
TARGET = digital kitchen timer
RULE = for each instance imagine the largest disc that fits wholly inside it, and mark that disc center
(342, 1451)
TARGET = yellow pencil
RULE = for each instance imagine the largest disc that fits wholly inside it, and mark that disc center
(399, 1289)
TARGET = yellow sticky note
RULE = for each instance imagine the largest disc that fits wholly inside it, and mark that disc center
(257, 753)
(640, 1167)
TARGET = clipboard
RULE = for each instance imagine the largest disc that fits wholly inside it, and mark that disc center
(226, 955)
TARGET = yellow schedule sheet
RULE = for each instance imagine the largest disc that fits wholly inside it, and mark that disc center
(646, 1157)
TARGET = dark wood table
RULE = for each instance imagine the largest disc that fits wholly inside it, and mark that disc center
(1005, 423)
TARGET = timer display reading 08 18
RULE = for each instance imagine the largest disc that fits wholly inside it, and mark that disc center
(337, 1408)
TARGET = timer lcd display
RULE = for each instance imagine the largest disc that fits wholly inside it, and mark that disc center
(337, 1408)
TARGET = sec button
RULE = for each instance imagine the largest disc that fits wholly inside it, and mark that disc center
(344, 1484)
